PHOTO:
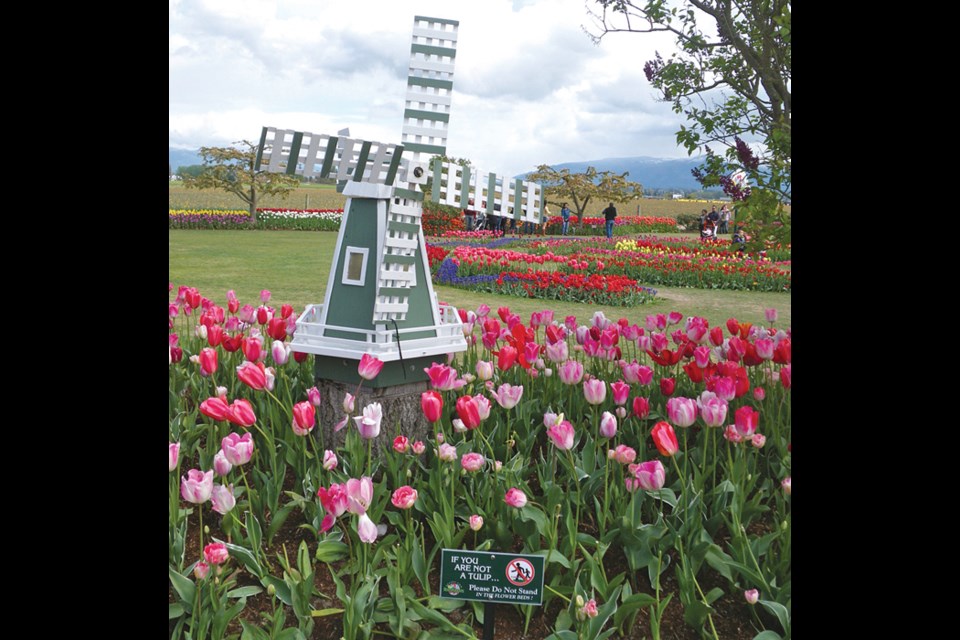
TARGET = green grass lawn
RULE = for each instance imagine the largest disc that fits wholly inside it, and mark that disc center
(294, 266)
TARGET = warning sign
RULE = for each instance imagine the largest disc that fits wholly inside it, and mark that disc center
(491, 576)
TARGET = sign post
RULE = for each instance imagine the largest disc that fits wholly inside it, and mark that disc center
(491, 577)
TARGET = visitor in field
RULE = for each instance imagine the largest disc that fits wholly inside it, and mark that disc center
(701, 220)
(724, 219)
(713, 216)
(468, 216)
(739, 239)
(565, 214)
(610, 214)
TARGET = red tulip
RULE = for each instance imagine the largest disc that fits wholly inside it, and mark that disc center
(468, 411)
(694, 372)
(733, 326)
(716, 336)
(232, 344)
(667, 386)
(232, 305)
(285, 311)
(554, 334)
(216, 408)
(252, 347)
(304, 417)
(506, 357)
(666, 357)
(369, 366)
(300, 356)
(786, 376)
(264, 314)
(277, 328)
(781, 353)
(665, 439)
(432, 404)
(214, 335)
(176, 354)
(641, 407)
(504, 313)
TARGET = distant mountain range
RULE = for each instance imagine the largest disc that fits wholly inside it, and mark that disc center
(652, 173)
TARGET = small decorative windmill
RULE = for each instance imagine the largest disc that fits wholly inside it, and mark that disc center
(379, 298)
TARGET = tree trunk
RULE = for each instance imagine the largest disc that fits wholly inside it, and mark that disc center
(253, 204)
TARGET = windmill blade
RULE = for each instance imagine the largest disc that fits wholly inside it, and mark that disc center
(512, 198)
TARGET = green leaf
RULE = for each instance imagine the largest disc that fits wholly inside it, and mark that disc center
(331, 550)
(780, 611)
(432, 616)
(719, 561)
(251, 632)
(185, 589)
(291, 634)
(320, 613)
(241, 592)
(528, 512)
(768, 635)
(562, 635)
(695, 614)
(245, 557)
(420, 567)
(282, 590)
(254, 532)
(277, 520)
(630, 606)
(176, 610)
(713, 594)
(443, 604)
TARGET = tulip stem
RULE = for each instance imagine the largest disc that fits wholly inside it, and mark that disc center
(200, 516)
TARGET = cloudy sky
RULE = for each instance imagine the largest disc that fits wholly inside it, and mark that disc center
(529, 85)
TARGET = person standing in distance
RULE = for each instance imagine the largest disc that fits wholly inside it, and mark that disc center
(610, 214)
(565, 214)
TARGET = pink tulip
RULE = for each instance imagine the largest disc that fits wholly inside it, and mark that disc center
(253, 375)
(369, 367)
(476, 522)
(758, 440)
(359, 494)
(681, 411)
(458, 425)
(770, 315)
(264, 314)
(221, 466)
(366, 529)
(201, 569)
(621, 391)
(208, 361)
(369, 424)
(608, 425)
(483, 406)
(222, 499)
(651, 475)
(329, 460)
(216, 553)
(701, 355)
(484, 370)
(237, 449)
(447, 452)
(515, 498)
(174, 452)
(751, 596)
(759, 394)
(558, 351)
(571, 372)
(333, 500)
(431, 402)
(341, 424)
(641, 407)
(764, 348)
(730, 434)
(624, 454)
(472, 462)
(785, 483)
(241, 413)
(483, 310)
(280, 352)
(418, 447)
(252, 347)
(196, 486)
(404, 497)
(595, 391)
(313, 395)
(507, 395)
(444, 378)
(696, 329)
(349, 403)
(746, 420)
(561, 434)
(785, 376)
(531, 351)
(588, 610)
(664, 438)
(401, 444)
(713, 409)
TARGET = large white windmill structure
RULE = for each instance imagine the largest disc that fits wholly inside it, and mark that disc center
(379, 298)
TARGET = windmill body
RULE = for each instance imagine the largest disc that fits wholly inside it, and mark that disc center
(379, 298)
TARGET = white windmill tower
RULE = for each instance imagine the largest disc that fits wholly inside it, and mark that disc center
(379, 298)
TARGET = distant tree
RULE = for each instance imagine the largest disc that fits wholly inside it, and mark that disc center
(233, 170)
(580, 188)
(190, 171)
(731, 78)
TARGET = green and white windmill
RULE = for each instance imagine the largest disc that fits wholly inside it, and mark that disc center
(379, 298)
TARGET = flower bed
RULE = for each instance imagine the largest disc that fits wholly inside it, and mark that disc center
(647, 461)
(267, 219)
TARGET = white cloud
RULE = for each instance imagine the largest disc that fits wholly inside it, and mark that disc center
(529, 86)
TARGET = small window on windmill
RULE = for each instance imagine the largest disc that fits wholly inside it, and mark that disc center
(355, 266)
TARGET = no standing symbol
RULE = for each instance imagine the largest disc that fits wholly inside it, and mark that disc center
(520, 572)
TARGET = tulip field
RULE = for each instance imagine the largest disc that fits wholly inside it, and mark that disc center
(645, 455)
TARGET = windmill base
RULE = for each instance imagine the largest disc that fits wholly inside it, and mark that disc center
(393, 373)
(402, 414)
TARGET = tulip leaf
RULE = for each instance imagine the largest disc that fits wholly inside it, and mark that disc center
(277, 521)
(251, 632)
(282, 590)
(420, 567)
(176, 610)
(444, 604)
(254, 531)
(331, 550)
(245, 557)
(528, 512)
(780, 611)
(630, 605)
(184, 588)
(713, 594)
(562, 635)
(768, 635)
(432, 616)
(320, 613)
(240, 592)
(291, 633)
